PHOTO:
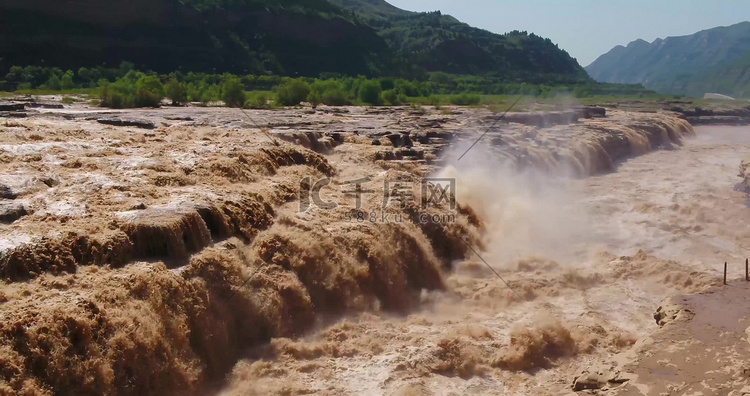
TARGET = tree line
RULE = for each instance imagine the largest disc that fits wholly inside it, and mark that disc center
(125, 87)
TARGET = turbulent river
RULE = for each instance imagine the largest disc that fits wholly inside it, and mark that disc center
(677, 204)
(183, 260)
(588, 262)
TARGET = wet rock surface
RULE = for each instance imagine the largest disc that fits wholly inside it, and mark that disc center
(11, 211)
(123, 122)
(604, 377)
(669, 312)
(588, 380)
(12, 107)
(37, 105)
(6, 192)
(700, 116)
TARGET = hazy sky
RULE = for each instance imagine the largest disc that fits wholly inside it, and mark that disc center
(589, 28)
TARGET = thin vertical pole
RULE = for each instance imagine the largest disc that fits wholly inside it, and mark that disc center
(747, 273)
(725, 272)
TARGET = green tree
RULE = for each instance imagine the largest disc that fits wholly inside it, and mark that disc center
(177, 92)
(84, 74)
(110, 99)
(315, 98)
(408, 88)
(233, 92)
(16, 74)
(66, 82)
(369, 92)
(89, 77)
(149, 92)
(387, 83)
(334, 97)
(390, 97)
(259, 100)
(54, 83)
(441, 78)
(292, 92)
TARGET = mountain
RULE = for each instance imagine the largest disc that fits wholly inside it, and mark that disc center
(282, 37)
(438, 42)
(731, 78)
(290, 37)
(372, 9)
(713, 60)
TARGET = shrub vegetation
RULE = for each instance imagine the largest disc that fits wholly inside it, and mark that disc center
(177, 92)
(292, 92)
(124, 87)
(369, 92)
(233, 92)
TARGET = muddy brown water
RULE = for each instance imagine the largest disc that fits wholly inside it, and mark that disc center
(588, 261)
(679, 204)
(661, 225)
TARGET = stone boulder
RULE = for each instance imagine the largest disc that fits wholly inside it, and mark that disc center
(11, 211)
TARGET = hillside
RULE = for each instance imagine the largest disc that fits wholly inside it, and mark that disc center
(372, 10)
(714, 60)
(731, 78)
(438, 42)
(239, 36)
(281, 37)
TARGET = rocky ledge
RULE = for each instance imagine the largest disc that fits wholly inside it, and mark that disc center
(701, 116)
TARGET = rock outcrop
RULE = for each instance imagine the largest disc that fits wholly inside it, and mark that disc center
(700, 116)
(127, 122)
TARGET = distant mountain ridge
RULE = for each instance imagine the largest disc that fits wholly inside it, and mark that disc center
(372, 9)
(438, 42)
(283, 37)
(291, 37)
(713, 60)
